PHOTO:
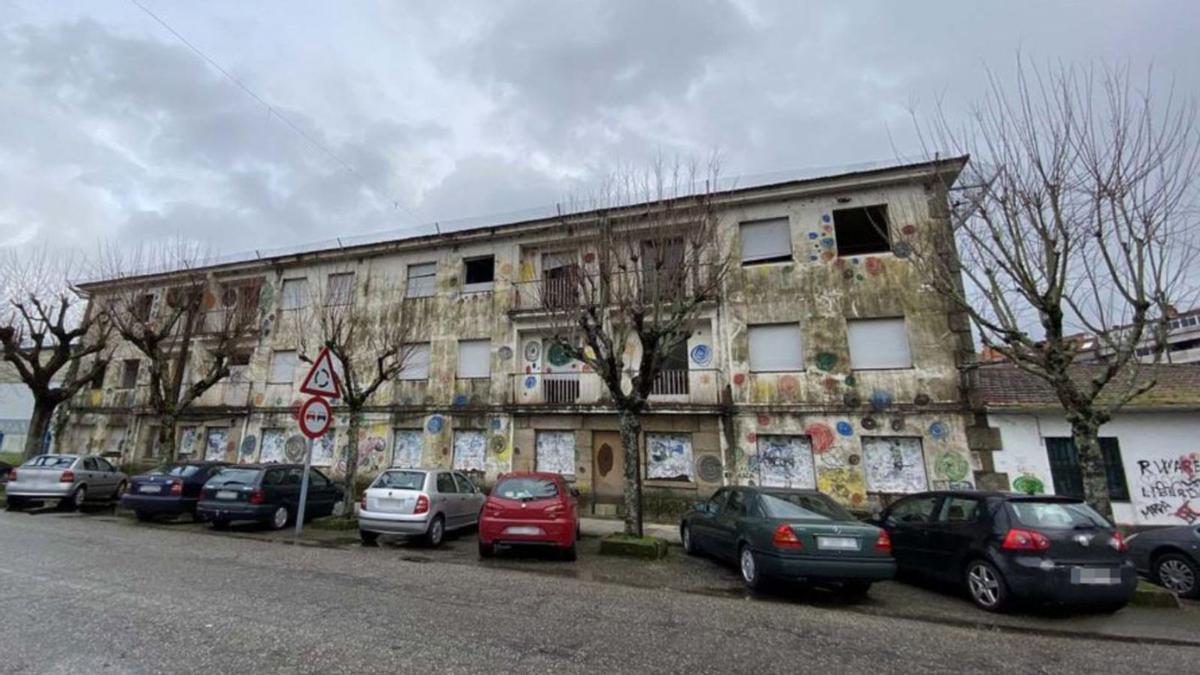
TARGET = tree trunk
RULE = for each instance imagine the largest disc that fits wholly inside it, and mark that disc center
(349, 498)
(166, 438)
(631, 432)
(1086, 435)
(39, 424)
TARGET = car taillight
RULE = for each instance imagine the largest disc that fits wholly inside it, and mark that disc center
(67, 476)
(883, 544)
(494, 509)
(257, 496)
(1025, 540)
(554, 511)
(176, 488)
(422, 504)
(12, 474)
(1118, 542)
(785, 537)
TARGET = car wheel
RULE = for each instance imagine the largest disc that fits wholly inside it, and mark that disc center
(368, 538)
(436, 531)
(570, 554)
(986, 586)
(856, 589)
(685, 538)
(751, 571)
(142, 516)
(1178, 574)
(279, 519)
(77, 498)
(486, 550)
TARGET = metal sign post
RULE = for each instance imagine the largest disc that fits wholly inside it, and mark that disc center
(304, 487)
(315, 418)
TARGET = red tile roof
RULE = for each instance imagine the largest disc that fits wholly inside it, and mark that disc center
(1003, 386)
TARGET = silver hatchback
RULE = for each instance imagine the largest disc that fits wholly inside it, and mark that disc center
(67, 479)
(418, 502)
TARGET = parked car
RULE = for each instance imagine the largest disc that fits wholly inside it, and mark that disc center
(1001, 547)
(800, 535)
(169, 490)
(267, 494)
(525, 509)
(418, 502)
(69, 480)
(5, 471)
(1169, 556)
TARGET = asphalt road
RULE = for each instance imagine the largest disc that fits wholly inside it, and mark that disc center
(89, 594)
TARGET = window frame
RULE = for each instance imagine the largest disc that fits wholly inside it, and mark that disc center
(334, 298)
(126, 364)
(479, 286)
(786, 222)
(877, 320)
(302, 293)
(487, 373)
(271, 367)
(1114, 471)
(750, 328)
(887, 230)
(405, 374)
(409, 278)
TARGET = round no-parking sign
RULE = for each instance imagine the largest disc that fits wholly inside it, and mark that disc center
(315, 417)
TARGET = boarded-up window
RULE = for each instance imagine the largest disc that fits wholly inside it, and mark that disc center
(474, 358)
(469, 450)
(341, 289)
(283, 366)
(776, 347)
(274, 446)
(766, 241)
(215, 444)
(416, 363)
(878, 343)
(187, 440)
(894, 465)
(556, 452)
(786, 461)
(422, 280)
(294, 294)
(407, 448)
(669, 457)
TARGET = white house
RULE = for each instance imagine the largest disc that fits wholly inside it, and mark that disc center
(1152, 446)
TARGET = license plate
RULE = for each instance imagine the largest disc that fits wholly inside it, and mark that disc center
(226, 494)
(837, 543)
(394, 505)
(523, 530)
(1094, 576)
(150, 489)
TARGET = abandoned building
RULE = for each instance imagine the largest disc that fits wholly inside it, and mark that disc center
(825, 362)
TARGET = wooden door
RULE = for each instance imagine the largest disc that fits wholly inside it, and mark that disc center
(608, 466)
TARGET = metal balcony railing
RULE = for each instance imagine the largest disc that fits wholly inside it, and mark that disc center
(694, 386)
(579, 287)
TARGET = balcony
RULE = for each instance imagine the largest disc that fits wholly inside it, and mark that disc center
(565, 292)
(689, 387)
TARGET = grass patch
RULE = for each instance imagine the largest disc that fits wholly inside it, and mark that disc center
(333, 523)
(631, 546)
(1149, 595)
(13, 458)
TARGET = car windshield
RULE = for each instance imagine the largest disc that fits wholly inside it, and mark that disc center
(1057, 515)
(401, 480)
(51, 461)
(526, 488)
(177, 470)
(802, 506)
(235, 476)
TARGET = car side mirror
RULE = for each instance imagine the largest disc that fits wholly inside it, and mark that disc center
(702, 507)
(575, 492)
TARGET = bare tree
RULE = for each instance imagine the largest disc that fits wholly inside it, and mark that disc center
(55, 349)
(364, 325)
(189, 326)
(1075, 215)
(650, 263)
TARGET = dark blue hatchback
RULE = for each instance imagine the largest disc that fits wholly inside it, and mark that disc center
(169, 490)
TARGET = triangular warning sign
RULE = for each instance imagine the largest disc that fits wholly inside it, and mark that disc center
(321, 379)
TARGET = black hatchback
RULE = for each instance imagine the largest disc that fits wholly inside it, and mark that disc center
(268, 494)
(1002, 547)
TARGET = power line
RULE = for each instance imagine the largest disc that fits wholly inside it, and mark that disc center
(273, 112)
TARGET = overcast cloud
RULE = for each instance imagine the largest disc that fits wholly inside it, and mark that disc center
(110, 128)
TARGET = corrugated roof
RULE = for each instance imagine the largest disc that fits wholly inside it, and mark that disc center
(1003, 386)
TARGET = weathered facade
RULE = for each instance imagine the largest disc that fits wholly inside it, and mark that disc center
(824, 362)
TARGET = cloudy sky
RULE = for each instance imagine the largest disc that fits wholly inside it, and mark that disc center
(112, 129)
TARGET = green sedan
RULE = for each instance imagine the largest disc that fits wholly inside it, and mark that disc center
(799, 535)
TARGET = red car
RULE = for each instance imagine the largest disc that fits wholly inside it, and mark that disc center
(530, 508)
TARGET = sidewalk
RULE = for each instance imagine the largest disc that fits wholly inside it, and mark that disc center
(598, 527)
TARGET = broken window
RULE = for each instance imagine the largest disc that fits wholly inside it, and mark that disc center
(129, 374)
(479, 273)
(239, 366)
(142, 306)
(98, 377)
(422, 280)
(776, 348)
(878, 344)
(765, 241)
(861, 230)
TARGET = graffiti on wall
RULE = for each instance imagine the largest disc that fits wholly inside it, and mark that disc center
(470, 450)
(785, 461)
(215, 444)
(274, 443)
(894, 464)
(1168, 490)
(372, 449)
(187, 440)
(556, 452)
(407, 448)
(322, 450)
(669, 457)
